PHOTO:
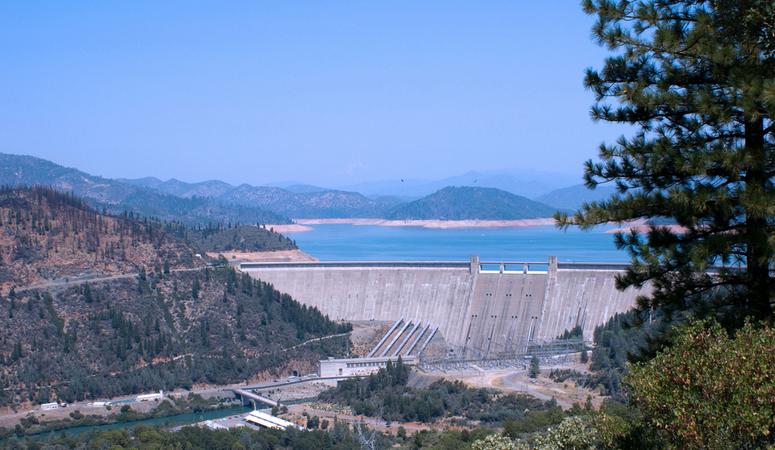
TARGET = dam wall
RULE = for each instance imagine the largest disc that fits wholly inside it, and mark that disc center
(483, 310)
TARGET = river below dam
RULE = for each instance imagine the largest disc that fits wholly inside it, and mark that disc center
(348, 242)
(167, 422)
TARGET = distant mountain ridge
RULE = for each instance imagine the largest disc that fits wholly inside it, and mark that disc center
(208, 189)
(526, 183)
(117, 196)
(472, 203)
(216, 201)
(572, 197)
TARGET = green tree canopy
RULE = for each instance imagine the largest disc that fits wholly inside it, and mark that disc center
(697, 80)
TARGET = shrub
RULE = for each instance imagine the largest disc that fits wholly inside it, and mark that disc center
(709, 390)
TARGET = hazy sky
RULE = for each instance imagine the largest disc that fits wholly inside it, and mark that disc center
(321, 91)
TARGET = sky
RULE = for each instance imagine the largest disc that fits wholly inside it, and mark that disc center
(330, 93)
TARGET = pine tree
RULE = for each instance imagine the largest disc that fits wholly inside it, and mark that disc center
(535, 367)
(195, 288)
(698, 80)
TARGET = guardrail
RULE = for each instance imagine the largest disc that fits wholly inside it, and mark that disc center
(483, 266)
(357, 264)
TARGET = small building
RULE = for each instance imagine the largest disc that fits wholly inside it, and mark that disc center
(332, 368)
(49, 406)
(150, 397)
(268, 421)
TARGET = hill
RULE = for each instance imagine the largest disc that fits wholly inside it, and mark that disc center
(528, 183)
(325, 204)
(572, 197)
(470, 203)
(47, 235)
(140, 198)
(155, 331)
(243, 238)
(207, 189)
(295, 200)
(104, 305)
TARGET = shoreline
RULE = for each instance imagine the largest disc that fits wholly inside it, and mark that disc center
(302, 225)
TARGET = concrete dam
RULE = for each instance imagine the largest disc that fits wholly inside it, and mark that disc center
(483, 310)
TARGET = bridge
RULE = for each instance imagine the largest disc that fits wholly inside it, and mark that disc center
(254, 398)
(247, 392)
(482, 309)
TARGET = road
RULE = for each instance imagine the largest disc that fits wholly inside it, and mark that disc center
(67, 282)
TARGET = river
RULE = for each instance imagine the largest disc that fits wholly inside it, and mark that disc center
(169, 421)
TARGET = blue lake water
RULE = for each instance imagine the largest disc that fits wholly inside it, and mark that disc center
(374, 243)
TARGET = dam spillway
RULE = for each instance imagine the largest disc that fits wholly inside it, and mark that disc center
(482, 309)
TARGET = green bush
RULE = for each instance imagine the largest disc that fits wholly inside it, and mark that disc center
(709, 390)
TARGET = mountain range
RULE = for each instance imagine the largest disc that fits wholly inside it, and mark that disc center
(491, 195)
(526, 183)
(117, 196)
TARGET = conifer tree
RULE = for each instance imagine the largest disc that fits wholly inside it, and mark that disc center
(535, 367)
(697, 78)
(195, 287)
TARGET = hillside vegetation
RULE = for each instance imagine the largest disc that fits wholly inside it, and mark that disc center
(157, 331)
(386, 394)
(244, 238)
(157, 319)
(47, 235)
(470, 203)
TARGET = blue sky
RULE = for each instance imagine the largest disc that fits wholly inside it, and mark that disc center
(330, 93)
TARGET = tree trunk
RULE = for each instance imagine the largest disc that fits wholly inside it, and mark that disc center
(758, 252)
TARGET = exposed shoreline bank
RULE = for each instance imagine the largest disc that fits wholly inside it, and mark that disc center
(302, 225)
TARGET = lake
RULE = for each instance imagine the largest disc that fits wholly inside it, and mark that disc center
(342, 242)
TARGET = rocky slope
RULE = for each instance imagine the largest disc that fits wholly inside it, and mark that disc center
(47, 235)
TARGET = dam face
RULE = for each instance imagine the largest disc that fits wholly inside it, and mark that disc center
(481, 313)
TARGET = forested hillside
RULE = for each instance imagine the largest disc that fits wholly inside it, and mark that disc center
(159, 330)
(386, 394)
(244, 238)
(47, 235)
(157, 318)
(326, 204)
(469, 203)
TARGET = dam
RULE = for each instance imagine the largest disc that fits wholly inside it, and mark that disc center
(483, 310)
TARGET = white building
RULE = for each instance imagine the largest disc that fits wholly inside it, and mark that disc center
(331, 368)
(268, 421)
(49, 406)
(150, 397)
